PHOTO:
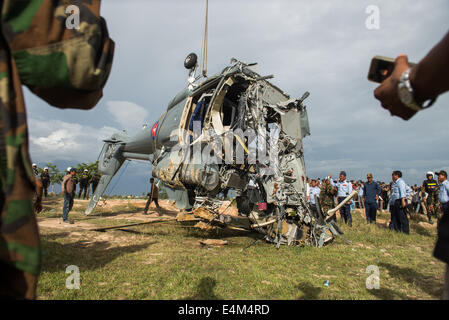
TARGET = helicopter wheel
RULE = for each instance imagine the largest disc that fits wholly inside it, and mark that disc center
(190, 61)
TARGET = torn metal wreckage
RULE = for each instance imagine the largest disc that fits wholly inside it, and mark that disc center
(231, 133)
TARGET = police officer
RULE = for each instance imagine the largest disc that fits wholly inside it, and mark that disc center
(344, 189)
(45, 178)
(398, 204)
(430, 187)
(84, 184)
(327, 195)
(441, 250)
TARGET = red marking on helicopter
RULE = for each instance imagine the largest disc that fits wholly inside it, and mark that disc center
(154, 130)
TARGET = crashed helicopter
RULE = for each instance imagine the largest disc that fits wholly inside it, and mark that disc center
(234, 131)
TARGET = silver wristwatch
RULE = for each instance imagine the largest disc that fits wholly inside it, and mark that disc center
(407, 95)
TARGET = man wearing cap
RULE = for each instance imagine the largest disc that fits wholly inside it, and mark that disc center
(344, 189)
(68, 190)
(441, 250)
(371, 192)
(84, 184)
(430, 187)
(45, 178)
(398, 204)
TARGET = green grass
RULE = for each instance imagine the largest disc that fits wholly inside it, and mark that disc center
(167, 262)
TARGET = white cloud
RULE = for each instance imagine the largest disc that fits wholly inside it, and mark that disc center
(60, 140)
(128, 115)
(63, 140)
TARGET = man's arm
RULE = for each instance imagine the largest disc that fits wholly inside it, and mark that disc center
(446, 186)
(64, 180)
(402, 193)
(429, 78)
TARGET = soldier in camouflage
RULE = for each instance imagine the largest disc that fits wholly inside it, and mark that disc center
(327, 195)
(430, 186)
(67, 68)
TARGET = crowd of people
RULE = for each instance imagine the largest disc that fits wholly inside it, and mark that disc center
(69, 182)
(396, 197)
(85, 180)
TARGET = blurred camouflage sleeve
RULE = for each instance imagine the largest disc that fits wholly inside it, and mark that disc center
(49, 56)
(66, 67)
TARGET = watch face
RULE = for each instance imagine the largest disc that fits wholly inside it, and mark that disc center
(405, 96)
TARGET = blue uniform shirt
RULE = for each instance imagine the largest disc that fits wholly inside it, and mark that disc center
(314, 191)
(398, 190)
(444, 192)
(344, 188)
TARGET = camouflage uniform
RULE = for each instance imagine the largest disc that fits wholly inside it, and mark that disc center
(327, 195)
(67, 68)
(432, 189)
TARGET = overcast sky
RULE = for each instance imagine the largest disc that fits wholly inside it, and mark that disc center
(322, 47)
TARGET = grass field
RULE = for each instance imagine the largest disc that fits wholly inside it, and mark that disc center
(166, 261)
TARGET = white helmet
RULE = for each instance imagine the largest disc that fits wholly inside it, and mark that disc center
(34, 165)
(430, 173)
(46, 168)
(85, 170)
(68, 169)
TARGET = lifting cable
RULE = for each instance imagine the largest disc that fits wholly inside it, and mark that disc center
(204, 44)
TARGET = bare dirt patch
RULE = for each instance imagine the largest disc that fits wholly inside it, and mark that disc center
(56, 223)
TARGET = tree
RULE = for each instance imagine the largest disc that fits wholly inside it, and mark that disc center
(92, 167)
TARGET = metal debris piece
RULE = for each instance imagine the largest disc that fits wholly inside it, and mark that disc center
(213, 242)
